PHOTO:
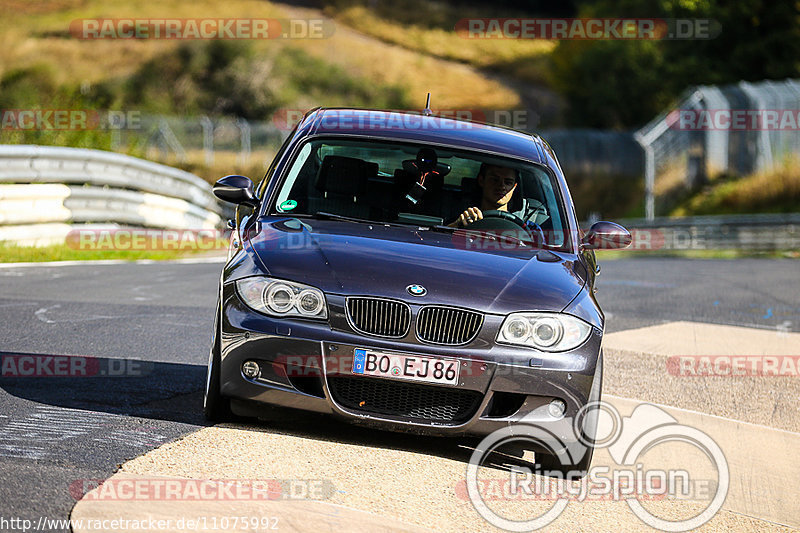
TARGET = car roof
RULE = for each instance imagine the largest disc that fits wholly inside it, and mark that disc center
(416, 127)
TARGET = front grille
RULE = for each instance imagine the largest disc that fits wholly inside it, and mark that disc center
(409, 400)
(375, 316)
(447, 325)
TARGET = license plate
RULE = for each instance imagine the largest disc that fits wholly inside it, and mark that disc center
(407, 367)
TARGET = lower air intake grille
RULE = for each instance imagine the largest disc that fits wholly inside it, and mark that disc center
(410, 400)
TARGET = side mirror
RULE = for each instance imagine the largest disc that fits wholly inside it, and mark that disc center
(236, 190)
(606, 235)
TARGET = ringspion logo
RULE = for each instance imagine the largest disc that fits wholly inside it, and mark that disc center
(628, 441)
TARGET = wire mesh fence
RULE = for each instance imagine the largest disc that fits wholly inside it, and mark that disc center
(598, 152)
(736, 129)
(201, 138)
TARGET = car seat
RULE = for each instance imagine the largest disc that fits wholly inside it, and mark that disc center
(343, 184)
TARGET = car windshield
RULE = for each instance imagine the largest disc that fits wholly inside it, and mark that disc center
(421, 185)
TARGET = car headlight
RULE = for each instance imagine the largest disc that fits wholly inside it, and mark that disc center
(282, 298)
(550, 332)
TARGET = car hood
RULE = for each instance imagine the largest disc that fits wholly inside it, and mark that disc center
(351, 258)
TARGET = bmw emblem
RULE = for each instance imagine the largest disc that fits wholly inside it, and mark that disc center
(417, 290)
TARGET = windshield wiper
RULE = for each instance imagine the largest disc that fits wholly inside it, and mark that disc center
(333, 216)
(499, 235)
(439, 227)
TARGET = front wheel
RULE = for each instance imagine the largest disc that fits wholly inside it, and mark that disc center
(548, 463)
(216, 407)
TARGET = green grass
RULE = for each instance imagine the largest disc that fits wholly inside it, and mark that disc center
(10, 253)
(398, 23)
(776, 191)
(43, 66)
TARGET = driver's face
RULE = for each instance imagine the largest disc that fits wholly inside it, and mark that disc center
(498, 184)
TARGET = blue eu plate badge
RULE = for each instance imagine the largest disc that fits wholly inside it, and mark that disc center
(359, 357)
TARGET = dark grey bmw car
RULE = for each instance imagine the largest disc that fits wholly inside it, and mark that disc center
(410, 272)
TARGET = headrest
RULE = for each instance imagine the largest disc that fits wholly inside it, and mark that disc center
(469, 185)
(345, 175)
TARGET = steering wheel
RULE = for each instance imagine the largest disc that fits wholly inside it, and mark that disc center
(503, 221)
(498, 220)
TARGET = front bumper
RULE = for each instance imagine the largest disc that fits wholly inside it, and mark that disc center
(300, 359)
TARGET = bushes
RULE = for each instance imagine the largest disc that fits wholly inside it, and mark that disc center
(26, 87)
(34, 87)
(776, 191)
(229, 78)
(622, 84)
(209, 78)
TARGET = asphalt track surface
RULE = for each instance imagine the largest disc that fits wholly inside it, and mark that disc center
(151, 323)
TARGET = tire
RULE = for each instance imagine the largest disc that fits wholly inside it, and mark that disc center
(580, 468)
(575, 471)
(216, 407)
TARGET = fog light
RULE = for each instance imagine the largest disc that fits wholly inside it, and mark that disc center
(557, 408)
(251, 370)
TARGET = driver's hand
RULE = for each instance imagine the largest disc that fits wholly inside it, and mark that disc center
(473, 214)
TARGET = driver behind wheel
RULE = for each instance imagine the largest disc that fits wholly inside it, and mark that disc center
(497, 185)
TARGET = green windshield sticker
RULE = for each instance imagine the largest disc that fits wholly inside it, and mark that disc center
(288, 205)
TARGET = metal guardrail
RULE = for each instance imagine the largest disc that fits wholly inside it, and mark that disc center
(45, 191)
(721, 232)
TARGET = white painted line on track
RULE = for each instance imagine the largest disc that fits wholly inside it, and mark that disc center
(103, 262)
(613, 398)
(46, 425)
(760, 459)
